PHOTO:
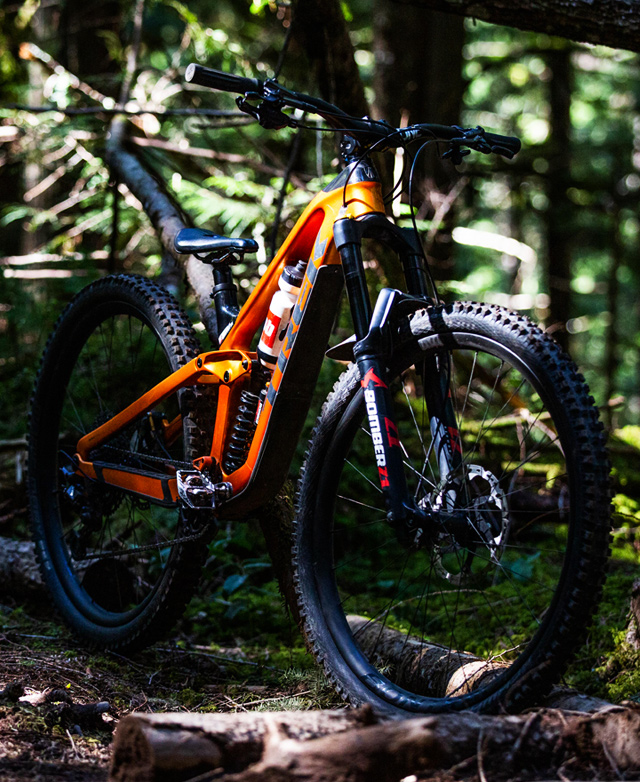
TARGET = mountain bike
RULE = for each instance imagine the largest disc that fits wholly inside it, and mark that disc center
(451, 526)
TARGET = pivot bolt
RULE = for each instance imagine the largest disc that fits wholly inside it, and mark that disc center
(227, 375)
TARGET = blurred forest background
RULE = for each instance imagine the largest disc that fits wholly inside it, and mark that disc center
(555, 233)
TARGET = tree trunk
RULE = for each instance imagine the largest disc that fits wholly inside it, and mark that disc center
(418, 78)
(612, 359)
(165, 217)
(34, 172)
(332, 747)
(559, 209)
(613, 23)
(82, 27)
(633, 628)
(322, 33)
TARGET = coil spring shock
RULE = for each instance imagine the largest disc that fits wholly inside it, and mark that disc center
(242, 433)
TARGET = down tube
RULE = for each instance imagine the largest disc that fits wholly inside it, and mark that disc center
(299, 362)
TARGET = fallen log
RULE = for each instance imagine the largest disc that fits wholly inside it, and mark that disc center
(428, 669)
(436, 671)
(264, 747)
(150, 746)
(19, 571)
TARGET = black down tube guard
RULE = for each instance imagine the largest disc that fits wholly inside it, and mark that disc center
(372, 354)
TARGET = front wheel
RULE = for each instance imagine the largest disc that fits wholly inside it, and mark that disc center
(483, 610)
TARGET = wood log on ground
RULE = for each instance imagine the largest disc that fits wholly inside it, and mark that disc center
(429, 669)
(19, 571)
(151, 746)
(435, 671)
(265, 747)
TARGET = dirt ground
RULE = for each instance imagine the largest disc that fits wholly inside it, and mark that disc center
(39, 736)
(41, 740)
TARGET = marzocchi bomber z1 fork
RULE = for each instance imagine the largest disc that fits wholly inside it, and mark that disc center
(452, 514)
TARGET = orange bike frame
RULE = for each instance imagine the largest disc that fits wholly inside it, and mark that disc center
(293, 380)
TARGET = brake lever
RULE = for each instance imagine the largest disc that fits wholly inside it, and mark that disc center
(267, 113)
(455, 153)
(474, 138)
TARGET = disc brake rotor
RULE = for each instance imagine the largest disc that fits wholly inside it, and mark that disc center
(478, 495)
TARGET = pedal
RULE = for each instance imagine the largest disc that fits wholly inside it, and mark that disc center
(197, 490)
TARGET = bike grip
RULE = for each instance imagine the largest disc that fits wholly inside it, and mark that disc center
(507, 146)
(219, 80)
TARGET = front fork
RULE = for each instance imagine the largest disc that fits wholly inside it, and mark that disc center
(372, 354)
(376, 336)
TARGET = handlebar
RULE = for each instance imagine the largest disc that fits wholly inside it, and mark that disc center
(273, 97)
(219, 80)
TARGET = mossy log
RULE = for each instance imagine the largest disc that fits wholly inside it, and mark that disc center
(435, 671)
(19, 571)
(339, 746)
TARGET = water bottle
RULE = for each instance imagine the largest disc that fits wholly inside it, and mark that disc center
(279, 315)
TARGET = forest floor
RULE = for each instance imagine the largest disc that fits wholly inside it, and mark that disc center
(236, 649)
(41, 741)
(260, 663)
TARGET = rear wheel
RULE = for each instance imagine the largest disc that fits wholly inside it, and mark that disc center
(484, 608)
(120, 568)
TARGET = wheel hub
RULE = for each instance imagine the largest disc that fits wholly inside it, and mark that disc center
(471, 512)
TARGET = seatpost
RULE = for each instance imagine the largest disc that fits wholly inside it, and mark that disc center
(225, 298)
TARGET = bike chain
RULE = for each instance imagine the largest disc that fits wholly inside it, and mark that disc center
(149, 547)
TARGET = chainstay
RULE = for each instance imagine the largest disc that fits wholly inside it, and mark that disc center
(123, 456)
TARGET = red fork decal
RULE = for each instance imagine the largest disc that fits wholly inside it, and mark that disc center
(384, 477)
(454, 438)
(371, 377)
(392, 433)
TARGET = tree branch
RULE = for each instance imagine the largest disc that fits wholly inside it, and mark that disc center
(212, 154)
(613, 23)
(164, 215)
